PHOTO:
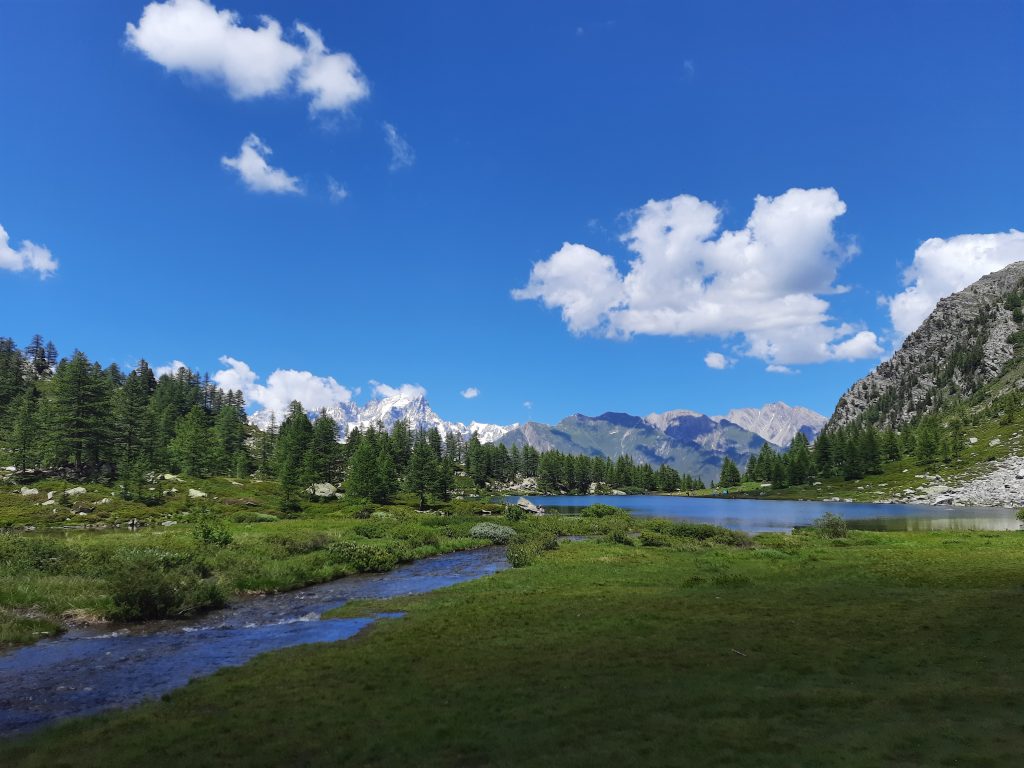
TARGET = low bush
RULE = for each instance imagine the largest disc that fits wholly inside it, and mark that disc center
(499, 534)
(365, 558)
(209, 530)
(20, 553)
(601, 510)
(831, 526)
(654, 539)
(710, 533)
(251, 516)
(621, 536)
(522, 552)
(146, 587)
(514, 513)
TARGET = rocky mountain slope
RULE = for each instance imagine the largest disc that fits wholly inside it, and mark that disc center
(778, 423)
(965, 344)
(690, 442)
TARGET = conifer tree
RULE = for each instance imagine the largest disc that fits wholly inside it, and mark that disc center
(190, 447)
(421, 476)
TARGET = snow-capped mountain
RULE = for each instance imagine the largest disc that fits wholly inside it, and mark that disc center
(386, 411)
(777, 422)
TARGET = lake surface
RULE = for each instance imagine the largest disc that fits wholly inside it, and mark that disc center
(89, 670)
(761, 515)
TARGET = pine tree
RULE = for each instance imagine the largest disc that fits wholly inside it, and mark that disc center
(21, 440)
(323, 459)
(363, 481)
(190, 447)
(78, 419)
(730, 476)
(421, 476)
(293, 441)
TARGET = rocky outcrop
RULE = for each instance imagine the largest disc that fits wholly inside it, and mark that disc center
(962, 346)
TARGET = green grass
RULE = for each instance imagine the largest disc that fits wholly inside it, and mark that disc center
(77, 568)
(882, 649)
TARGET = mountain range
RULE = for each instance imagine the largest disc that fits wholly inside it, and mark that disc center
(691, 442)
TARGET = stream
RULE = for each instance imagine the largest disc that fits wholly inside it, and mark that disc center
(88, 670)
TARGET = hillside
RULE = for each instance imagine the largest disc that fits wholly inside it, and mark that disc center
(969, 342)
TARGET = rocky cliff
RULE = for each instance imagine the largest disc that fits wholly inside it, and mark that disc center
(966, 343)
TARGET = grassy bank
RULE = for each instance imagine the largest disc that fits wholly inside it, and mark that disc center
(194, 554)
(879, 649)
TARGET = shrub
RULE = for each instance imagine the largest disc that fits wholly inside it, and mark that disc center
(713, 533)
(654, 539)
(365, 558)
(514, 513)
(621, 536)
(601, 510)
(209, 530)
(1020, 514)
(299, 544)
(19, 553)
(522, 552)
(831, 526)
(146, 587)
(251, 516)
(499, 534)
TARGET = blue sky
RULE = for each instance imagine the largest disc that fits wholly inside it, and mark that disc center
(528, 125)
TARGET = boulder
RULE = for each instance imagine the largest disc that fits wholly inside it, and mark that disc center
(78, 491)
(29, 491)
(972, 440)
(167, 523)
(195, 494)
(49, 503)
(322, 490)
(617, 492)
(529, 506)
(104, 501)
(994, 441)
(49, 495)
(170, 477)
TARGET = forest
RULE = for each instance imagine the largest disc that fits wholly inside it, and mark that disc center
(73, 417)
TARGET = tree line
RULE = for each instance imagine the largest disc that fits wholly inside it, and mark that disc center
(73, 416)
(851, 452)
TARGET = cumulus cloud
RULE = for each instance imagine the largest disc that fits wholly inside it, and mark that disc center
(259, 176)
(28, 256)
(170, 369)
(717, 360)
(402, 154)
(773, 368)
(470, 392)
(409, 391)
(942, 267)
(764, 282)
(282, 387)
(584, 283)
(335, 190)
(194, 37)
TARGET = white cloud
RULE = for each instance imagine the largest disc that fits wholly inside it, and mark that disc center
(257, 174)
(764, 282)
(332, 79)
(409, 391)
(282, 387)
(28, 256)
(170, 369)
(470, 393)
(195, 37)
(717, 360)
(774, 368)
(584, 283)
(402, 154)
(335, 190)
(942, 267)
(528, 404)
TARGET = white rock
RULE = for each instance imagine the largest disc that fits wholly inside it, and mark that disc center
(194, 494)
(170, 477)
(322, 490)
(103, 501)
(169, 522)
(526, 504)
(49, 495)
(49, 503)
(994, 441)
(29, 491)
(971, 440)
(78, 491)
